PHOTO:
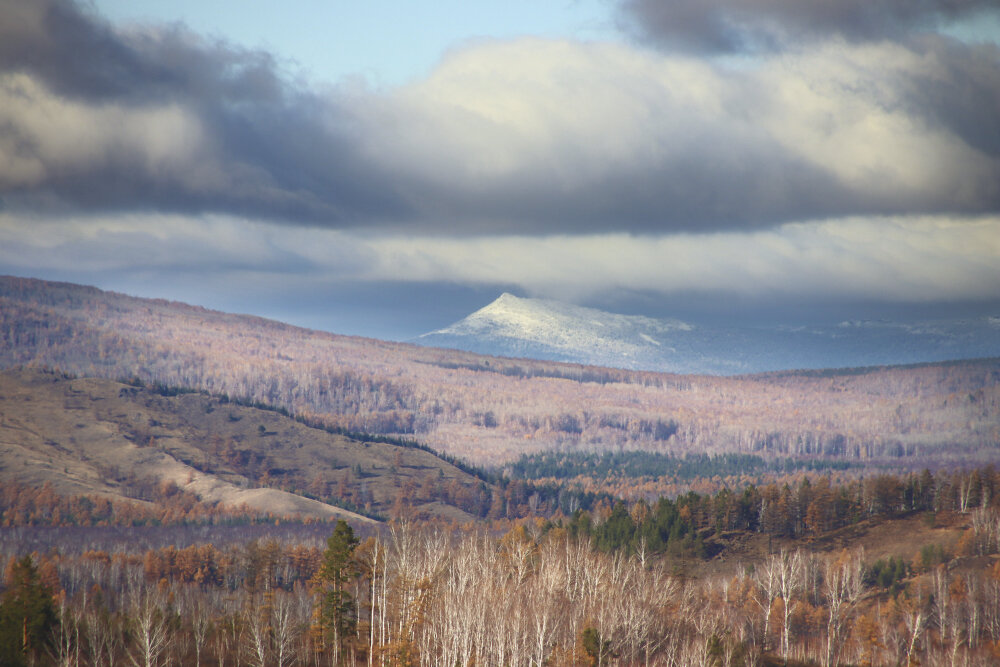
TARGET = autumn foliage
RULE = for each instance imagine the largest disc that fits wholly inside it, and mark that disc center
(594, 588)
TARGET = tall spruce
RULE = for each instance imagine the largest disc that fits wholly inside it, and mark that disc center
(339, 568)
(27, 615)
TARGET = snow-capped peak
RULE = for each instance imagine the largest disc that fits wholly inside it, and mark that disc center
(553, 322)
(542, 329)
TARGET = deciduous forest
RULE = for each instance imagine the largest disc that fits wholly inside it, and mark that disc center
(182, 487)
(674, 583)
(489, 410)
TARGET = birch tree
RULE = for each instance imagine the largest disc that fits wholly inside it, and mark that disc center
(842, 588)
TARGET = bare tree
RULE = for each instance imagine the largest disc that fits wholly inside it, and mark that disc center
(193, 606)
(150, 629)
(767, 579)
(842, 588)
(257, 636)
(101, 636)
(915, 614)
(790, 570)
(66, 636)
(229, 638)
(283, 625)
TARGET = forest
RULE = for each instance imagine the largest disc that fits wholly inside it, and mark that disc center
(187, 487)
(490, 411)
(673, 583)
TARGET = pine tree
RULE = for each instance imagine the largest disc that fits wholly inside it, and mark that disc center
(337, 571)
(27, 615)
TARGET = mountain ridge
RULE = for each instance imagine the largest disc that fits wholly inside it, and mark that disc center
(489, 410)
(551, 330)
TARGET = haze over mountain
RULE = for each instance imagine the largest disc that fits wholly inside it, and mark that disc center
(543, 329)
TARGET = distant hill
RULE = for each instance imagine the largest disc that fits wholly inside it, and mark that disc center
(98, 437)
(491, 410)
(543, 329)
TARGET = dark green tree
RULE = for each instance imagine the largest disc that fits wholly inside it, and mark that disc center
(339, 568)
(27, 615)
(617, 532)
(596, 647)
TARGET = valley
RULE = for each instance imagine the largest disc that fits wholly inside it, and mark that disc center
(567, 334)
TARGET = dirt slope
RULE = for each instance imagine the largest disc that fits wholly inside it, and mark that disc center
(95, 436)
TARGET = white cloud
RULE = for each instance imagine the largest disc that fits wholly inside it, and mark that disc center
(533, 136)
(919, 259)
(581, 129)
(48, 134)
(848, 107)
(887, 259)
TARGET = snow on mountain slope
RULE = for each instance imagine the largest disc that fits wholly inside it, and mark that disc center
(543, 329)
(561, 326)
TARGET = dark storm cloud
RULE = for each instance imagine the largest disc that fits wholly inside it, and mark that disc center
(741, 25)
(522, 136)
(231, 132)
(961, 93)
(725, 186)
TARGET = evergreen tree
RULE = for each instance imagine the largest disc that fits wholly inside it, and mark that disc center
(27, 615)
(337, 571)
(596, 647)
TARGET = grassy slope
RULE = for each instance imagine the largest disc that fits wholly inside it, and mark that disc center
(90, 436)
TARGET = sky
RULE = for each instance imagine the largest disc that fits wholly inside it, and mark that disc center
(385, 168)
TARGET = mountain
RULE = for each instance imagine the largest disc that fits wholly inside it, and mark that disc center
(544, 329)
(491, 410)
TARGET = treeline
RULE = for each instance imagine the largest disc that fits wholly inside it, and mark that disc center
(322, 422)
(421, 595)
(247, 463)
(684, 525)
(163, 504)
(645, 464)
(811, 507)
(666, 527)
(563, 371)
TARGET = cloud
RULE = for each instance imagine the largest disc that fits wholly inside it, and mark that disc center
(911, 259)
(175, 247)
(530, 134)
(885, 259)
(729, 26)
(523, 137)
(160, 119)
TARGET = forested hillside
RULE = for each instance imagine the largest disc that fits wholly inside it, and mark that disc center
(900, 571)
(490, 410)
